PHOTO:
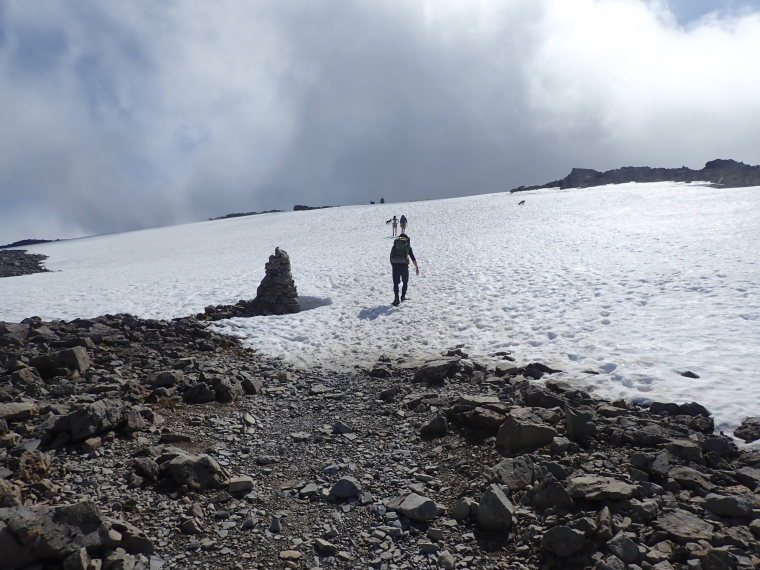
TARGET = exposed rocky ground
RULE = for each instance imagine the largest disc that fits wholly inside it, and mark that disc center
(15, 262)
(721, 172)
(129, 443)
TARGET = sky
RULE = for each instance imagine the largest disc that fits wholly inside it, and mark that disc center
(624, 288)
(125, 115)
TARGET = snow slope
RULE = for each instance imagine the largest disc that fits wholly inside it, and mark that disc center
(638, 282)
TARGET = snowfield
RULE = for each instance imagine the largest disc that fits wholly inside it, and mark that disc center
(623, 287)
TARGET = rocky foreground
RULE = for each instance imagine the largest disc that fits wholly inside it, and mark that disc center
(129, 443)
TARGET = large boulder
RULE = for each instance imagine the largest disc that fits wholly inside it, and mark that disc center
(68, 360)
(515, 472)
(418, 508)
(683, 526)
(495, 510)
(563, 541)
(194, 471)
(737, 506)
(91, 419)
(30, 535)
(518, 435)
(749, 430)
(435, 372)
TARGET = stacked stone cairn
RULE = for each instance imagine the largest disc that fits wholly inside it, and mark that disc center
(276, 294)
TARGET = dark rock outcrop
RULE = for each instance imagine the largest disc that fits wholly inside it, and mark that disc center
(720, 172)
(15, 262)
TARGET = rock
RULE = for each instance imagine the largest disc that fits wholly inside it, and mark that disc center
(724, 172)
(228, 390)
(199, 393)
(325, 548)
(464, 509)
(515, 472)
(240, 484)
(686, 449)
(581, 426)
(12, 411)
(683, 526)
(542, 398)
(738, 506)
(534, 370)
(563, 541)
(596, 488)
(723, 559)
(472, 401)
(549, 493)
(624, 548)
(133, 540)
(611, 562)
(418, 508)
(446, 560)
(515, 435)
(277, 293)
(42, 532)
(749, 430)
(690, 479)
(345, 488)
(483, 419)
(119, 560)
(495, 510)
(435, 428)
(167, 378)
(90, 420)
(10, 495)
(79, 560)
(435, 372)
(146, 467)
(195, 471)
(669, 408)
(12, 333)
(749, 476)
(190, 526)
(73, 359)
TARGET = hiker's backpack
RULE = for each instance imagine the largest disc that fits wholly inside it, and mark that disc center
(400, 250)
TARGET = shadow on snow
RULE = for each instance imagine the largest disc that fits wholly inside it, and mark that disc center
(371, 313)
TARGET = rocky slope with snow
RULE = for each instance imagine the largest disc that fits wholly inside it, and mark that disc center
(129, 443)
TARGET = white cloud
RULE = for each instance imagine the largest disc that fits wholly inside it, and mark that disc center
(127, 114)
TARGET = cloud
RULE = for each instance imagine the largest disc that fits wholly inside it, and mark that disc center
(122, 115)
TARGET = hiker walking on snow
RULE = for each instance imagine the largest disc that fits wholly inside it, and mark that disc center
(393, 221)
(402, 221)
(401, 252)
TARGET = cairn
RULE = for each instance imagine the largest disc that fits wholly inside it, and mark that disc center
(277, 293)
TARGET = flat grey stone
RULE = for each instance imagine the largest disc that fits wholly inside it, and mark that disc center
(596, 488)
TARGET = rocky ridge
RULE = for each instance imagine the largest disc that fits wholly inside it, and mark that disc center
(15, 262)
(721, 172)
(130, 443)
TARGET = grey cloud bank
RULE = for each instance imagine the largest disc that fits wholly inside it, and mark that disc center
(123, 115)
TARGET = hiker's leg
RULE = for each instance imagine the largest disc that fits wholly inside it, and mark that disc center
(396, 278)
(404, 278)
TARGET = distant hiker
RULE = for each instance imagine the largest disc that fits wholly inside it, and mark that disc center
(521, 203)
(402, 221)
(401, 252)
(394, 222)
